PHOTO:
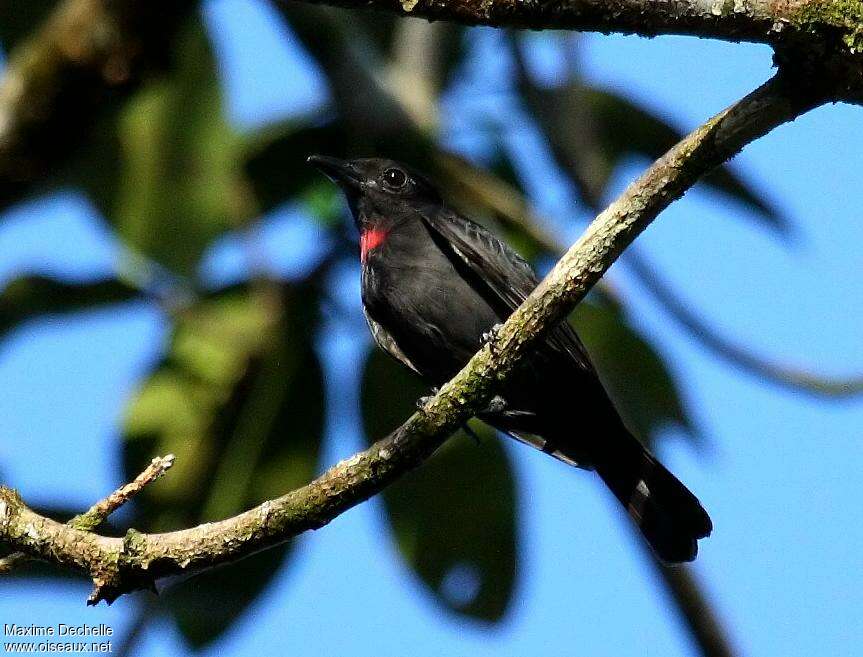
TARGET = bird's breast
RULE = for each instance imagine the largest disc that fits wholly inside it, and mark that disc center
(427, 309)
(370, 239)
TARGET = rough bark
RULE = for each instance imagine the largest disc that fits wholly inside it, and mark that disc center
(826, 30)
(118, 565)
(99, 512)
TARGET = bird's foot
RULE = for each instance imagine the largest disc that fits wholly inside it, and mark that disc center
(490, 336)
(497, 405)
(425, 399)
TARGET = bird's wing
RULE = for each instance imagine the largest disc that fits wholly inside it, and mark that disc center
(496, 270)
(386, 342)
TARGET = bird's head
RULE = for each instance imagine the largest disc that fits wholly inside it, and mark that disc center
(378, 189)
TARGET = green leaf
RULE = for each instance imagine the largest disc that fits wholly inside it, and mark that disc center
(627, 128)
(239, 398)
(608, 127)
(33, 296)
(207, 605)
(454, 517)
(275, 161)
(181, 182)
(644, 390)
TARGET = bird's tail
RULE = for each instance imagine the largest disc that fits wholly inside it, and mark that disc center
(667, 513)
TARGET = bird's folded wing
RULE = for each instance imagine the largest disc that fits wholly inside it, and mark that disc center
(498, 271)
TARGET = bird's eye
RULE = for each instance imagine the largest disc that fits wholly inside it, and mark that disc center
(395, 178)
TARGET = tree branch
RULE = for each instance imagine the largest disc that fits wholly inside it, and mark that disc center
(99, 512)
(836, 26)
(119, 565)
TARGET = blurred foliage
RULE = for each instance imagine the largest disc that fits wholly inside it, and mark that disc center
(618, 129)
(180, 184)
(18, 18)
(31, 297)
(453, 519)
(635, 375)
(239, 392)
(239, 398)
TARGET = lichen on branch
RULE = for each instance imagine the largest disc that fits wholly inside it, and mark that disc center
(825, 29)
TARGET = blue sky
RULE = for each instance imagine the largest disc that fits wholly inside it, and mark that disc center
(778, 470)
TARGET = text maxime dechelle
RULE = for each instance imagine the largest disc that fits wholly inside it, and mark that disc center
(61, 637)
(60, 629)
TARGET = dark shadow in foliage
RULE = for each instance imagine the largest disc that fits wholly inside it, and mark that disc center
(634, 373)
(454, 518)
(29, 297)
(18, 18)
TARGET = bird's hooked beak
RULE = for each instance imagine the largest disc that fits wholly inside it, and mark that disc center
(341, 172)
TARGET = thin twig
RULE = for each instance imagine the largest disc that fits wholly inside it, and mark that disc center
(101, 510)
(778, 373)
(135, 632)
(683, 585)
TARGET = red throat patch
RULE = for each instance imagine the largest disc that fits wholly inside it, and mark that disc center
(371, 239)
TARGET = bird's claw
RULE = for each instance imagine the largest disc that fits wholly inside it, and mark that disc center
(496, 405)
(490, 336)
(425, 399)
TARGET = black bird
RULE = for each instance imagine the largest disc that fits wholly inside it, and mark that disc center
(435, 283)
